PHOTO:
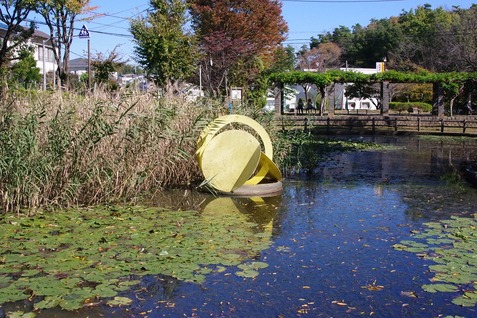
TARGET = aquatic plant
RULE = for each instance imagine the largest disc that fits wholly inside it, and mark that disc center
(84, 256)
(452, 245)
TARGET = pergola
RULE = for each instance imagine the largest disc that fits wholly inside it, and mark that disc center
(443, 84)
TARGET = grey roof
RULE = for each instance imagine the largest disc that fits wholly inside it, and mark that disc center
(37, 33)
(78, 64)
(41, 34)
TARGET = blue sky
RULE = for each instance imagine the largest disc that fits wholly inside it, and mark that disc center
(305, 18)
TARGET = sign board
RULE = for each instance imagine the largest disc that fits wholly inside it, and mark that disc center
(379, 67)
(236, 93)
(84, 33)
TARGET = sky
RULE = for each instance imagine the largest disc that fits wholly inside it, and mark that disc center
(305, 19)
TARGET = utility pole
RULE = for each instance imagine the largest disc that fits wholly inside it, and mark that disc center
(44, 68)
(89, 64)
(84, 34)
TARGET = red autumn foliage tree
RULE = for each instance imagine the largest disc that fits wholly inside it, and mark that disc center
(233, 33)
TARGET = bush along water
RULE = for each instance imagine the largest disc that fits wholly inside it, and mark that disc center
(70, 149)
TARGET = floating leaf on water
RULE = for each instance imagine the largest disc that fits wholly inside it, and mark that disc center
(220, 269)
(21, 314)
(339, 303)
(120, 301)
(434, 288)
(70, 260)
(247, 273)
(198, 279)
(409, 294)
(48, 302)
(400, 247)
(105, 290)
(453, 246)
(373, 287)
(464, 301)
(11, 294)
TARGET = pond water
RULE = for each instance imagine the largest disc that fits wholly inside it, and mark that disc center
(326, 245)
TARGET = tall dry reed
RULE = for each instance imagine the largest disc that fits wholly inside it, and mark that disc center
(66, 149)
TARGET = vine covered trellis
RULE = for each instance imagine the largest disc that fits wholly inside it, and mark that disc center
(444, 84)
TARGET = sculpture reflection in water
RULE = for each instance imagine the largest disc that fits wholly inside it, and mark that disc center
(242, 229)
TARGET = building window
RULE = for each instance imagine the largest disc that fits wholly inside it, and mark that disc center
(49, 54)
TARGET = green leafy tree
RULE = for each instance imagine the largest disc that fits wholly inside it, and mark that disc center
(462, 40)
(104, 67)
(25, 70)
(426, 40)
(284, 59)
(374, 43)
(14, 37)
(12, 14)
(163, 48)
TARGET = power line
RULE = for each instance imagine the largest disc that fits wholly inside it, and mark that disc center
(91, 31)
(341, 1)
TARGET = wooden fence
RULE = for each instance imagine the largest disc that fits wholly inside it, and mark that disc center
(373, 124)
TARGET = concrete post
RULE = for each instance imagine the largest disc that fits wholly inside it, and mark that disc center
(438, 100)
(278, 95)
(385, 98)
(331, 100)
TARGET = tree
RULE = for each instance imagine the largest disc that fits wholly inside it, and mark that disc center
(283, 60)
(104, 67)
(426, 40)
(233, 33)
(463, 40)
(365, 91)
(25, 70)
(163, 47)
(12, 14)
(60, 17)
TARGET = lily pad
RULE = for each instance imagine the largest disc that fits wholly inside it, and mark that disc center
(452, 244)
(88, 253)
(120, 301)
(434, 288)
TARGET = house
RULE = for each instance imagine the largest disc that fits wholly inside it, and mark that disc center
(344, 102)
(289, 96)
(43, 50)
(79, 66)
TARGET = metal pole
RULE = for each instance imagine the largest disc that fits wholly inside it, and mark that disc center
(44, 67)
(200, 80)
(89, 65)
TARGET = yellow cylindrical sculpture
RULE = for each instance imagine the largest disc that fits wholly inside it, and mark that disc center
(230, 159)
(234, 158)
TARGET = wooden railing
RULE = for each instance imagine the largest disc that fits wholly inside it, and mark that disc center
(375, 123)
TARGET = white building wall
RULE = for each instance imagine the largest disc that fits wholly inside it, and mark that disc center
(48, 56)
(358, 103)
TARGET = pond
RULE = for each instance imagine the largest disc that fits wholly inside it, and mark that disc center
(348, 240)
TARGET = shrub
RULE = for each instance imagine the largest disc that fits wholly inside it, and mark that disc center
(410, 106)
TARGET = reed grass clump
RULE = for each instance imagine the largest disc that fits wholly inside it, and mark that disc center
(67, 149)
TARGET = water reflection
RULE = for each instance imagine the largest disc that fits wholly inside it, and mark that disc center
(254, 209)
(414, 159)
